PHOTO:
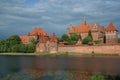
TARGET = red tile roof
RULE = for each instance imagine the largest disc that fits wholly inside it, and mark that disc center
(111, 27)
(38, 31)
(42, 39)
(53, 38)
(24, 39)
(86, 28)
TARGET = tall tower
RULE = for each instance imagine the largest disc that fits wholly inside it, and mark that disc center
(111, 34)
(84, 23)
(53, 44)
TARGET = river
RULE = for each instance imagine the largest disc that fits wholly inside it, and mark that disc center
(83, 64)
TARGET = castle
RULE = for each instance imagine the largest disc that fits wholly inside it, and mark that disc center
(107, 35)
(45, 42)
(49, 43)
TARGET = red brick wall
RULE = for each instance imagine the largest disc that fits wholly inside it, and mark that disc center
(113, 49)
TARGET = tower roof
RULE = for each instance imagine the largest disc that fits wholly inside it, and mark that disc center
(38, 31)
(111, 27)
(24, 39)
(53, 38)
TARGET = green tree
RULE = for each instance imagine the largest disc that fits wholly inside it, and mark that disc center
(65, 37)
(33, 41)
(74, 37)
(86, 40)
(15, 48)
(118, 40)
(97, 77)
(30, 48)
(90, 34)
(13, 40)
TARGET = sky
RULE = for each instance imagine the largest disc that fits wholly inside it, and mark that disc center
(21, 16)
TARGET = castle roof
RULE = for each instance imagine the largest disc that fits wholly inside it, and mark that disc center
(111, 27)
(42, 39)
(24, 39)
(87, 28)
(38, 31)
(53, 38)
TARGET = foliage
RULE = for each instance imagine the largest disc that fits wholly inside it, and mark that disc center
(90, 34)
(65, 37)
(14, 39)
(72, 39)
(97, 77)
(86, 40)
(30, 48)
(33, 41)
(118, 40)
(14, 44)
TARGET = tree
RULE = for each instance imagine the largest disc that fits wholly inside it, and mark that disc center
(30, 48)
(90, 34)
(86, 40)
(80, 37)
(118, 40)
(65, 37)
(97, 77)
(74, 37)
(13, 40)
(33, 41)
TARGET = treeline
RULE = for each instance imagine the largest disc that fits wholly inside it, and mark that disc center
(14, 44)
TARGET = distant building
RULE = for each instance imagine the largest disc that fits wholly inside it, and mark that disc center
(107, 35)
(45, 42)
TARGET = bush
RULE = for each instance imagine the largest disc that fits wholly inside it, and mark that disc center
(97, 77)
(87, 40)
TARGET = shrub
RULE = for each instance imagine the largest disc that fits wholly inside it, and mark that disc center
(97, 77)
(87, 40)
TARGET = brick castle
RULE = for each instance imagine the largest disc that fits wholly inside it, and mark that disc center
(45, 42)
(49, 43)
(99, 33)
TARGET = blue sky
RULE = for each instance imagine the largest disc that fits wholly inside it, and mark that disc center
(21, 16)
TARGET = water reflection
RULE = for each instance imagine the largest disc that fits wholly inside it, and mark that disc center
(83, 64)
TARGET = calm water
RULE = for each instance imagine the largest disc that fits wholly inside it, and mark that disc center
(83, 64)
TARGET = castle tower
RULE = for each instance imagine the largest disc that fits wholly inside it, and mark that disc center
(41, 45)
(84, 23)
(53, 44)
(111, 34)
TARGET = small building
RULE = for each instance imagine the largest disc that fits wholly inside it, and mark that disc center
(107, 35)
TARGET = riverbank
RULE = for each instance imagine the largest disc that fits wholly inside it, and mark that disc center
(59, 54)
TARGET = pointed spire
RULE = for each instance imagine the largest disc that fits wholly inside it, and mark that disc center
(53, 38)
(84, 23)
(111, 27)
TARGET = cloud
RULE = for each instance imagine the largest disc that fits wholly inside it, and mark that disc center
(21, 16)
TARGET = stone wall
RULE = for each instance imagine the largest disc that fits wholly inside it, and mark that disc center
(112, 49)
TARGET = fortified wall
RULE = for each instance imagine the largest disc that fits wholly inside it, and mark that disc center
(110, 49)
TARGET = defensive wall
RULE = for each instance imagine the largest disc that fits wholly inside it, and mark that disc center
(110, 49)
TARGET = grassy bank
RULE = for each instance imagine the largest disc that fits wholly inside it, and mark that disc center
(60, 54)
